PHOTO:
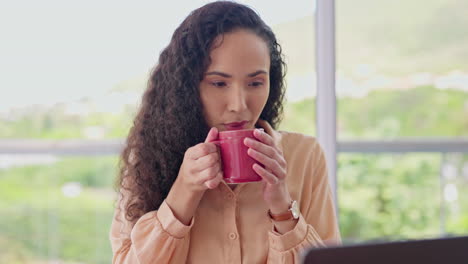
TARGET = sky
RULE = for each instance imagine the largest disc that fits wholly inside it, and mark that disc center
(61, 51)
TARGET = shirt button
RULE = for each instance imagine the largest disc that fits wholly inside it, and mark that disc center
(232, 236)
(230, 196)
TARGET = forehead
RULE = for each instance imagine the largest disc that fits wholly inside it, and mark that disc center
(240, 50)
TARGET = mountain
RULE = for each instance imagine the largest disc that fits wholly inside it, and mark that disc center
(397, 37)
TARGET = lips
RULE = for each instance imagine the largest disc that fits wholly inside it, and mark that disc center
(236, 125)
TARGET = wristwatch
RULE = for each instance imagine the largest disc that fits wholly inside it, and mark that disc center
(292, 213)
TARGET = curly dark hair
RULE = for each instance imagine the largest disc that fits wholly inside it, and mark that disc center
(170, 118)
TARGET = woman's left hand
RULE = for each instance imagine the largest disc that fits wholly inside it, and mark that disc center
(267, 151)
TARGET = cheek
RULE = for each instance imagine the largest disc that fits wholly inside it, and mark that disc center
(259, 100)
(210, 105)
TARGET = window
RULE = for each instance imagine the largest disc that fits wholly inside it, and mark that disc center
(73, 75)
(401, 75)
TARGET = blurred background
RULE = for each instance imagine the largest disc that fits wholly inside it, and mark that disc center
(72, 74)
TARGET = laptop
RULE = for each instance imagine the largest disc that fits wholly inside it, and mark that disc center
(453, 250)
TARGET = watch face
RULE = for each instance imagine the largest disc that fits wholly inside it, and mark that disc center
(295, 210)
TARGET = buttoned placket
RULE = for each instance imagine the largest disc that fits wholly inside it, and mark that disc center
(230, 229)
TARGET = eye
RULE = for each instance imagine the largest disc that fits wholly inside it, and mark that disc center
(256, 84)
(218, 84)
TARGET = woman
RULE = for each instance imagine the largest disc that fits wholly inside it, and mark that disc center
(222, 70)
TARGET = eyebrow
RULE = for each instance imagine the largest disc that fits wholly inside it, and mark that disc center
(225, 75)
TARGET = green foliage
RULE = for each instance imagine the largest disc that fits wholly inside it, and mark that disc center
(44, 223)
(53, 123)
(299, 117)
(418, 112)
(388, 196)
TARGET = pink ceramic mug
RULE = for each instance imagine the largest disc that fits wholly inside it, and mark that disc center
(237, 164)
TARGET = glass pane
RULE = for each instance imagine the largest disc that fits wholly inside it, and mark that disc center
(402, 196)
(56, 209)
(88, 78)
(402, 68)
(454, 215)
(297, 38)
(89, 74)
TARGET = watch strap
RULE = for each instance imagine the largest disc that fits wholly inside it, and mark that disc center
(288, 215)
(281, 217)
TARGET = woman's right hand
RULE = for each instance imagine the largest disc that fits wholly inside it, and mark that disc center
(201, 168)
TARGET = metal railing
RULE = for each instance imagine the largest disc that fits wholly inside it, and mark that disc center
(82, 147)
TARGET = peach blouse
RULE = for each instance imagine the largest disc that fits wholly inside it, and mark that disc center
(233, 226)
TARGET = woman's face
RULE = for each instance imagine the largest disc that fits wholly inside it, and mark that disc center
(236, 86)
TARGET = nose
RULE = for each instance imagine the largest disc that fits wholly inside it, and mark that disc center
(237, 99)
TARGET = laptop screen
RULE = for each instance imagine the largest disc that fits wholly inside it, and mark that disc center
(431, 251)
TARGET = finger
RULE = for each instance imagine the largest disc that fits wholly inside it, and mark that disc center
(268, 162)
(275, 136)
(261, 147)
(266, 175)
(212, 135)
(207, 161)
(268, 129)
(202, 150)
(209, 173)
(212, 184)
(264, 137)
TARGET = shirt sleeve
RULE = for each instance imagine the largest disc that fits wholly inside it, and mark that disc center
(157, 237)
(317, 225)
